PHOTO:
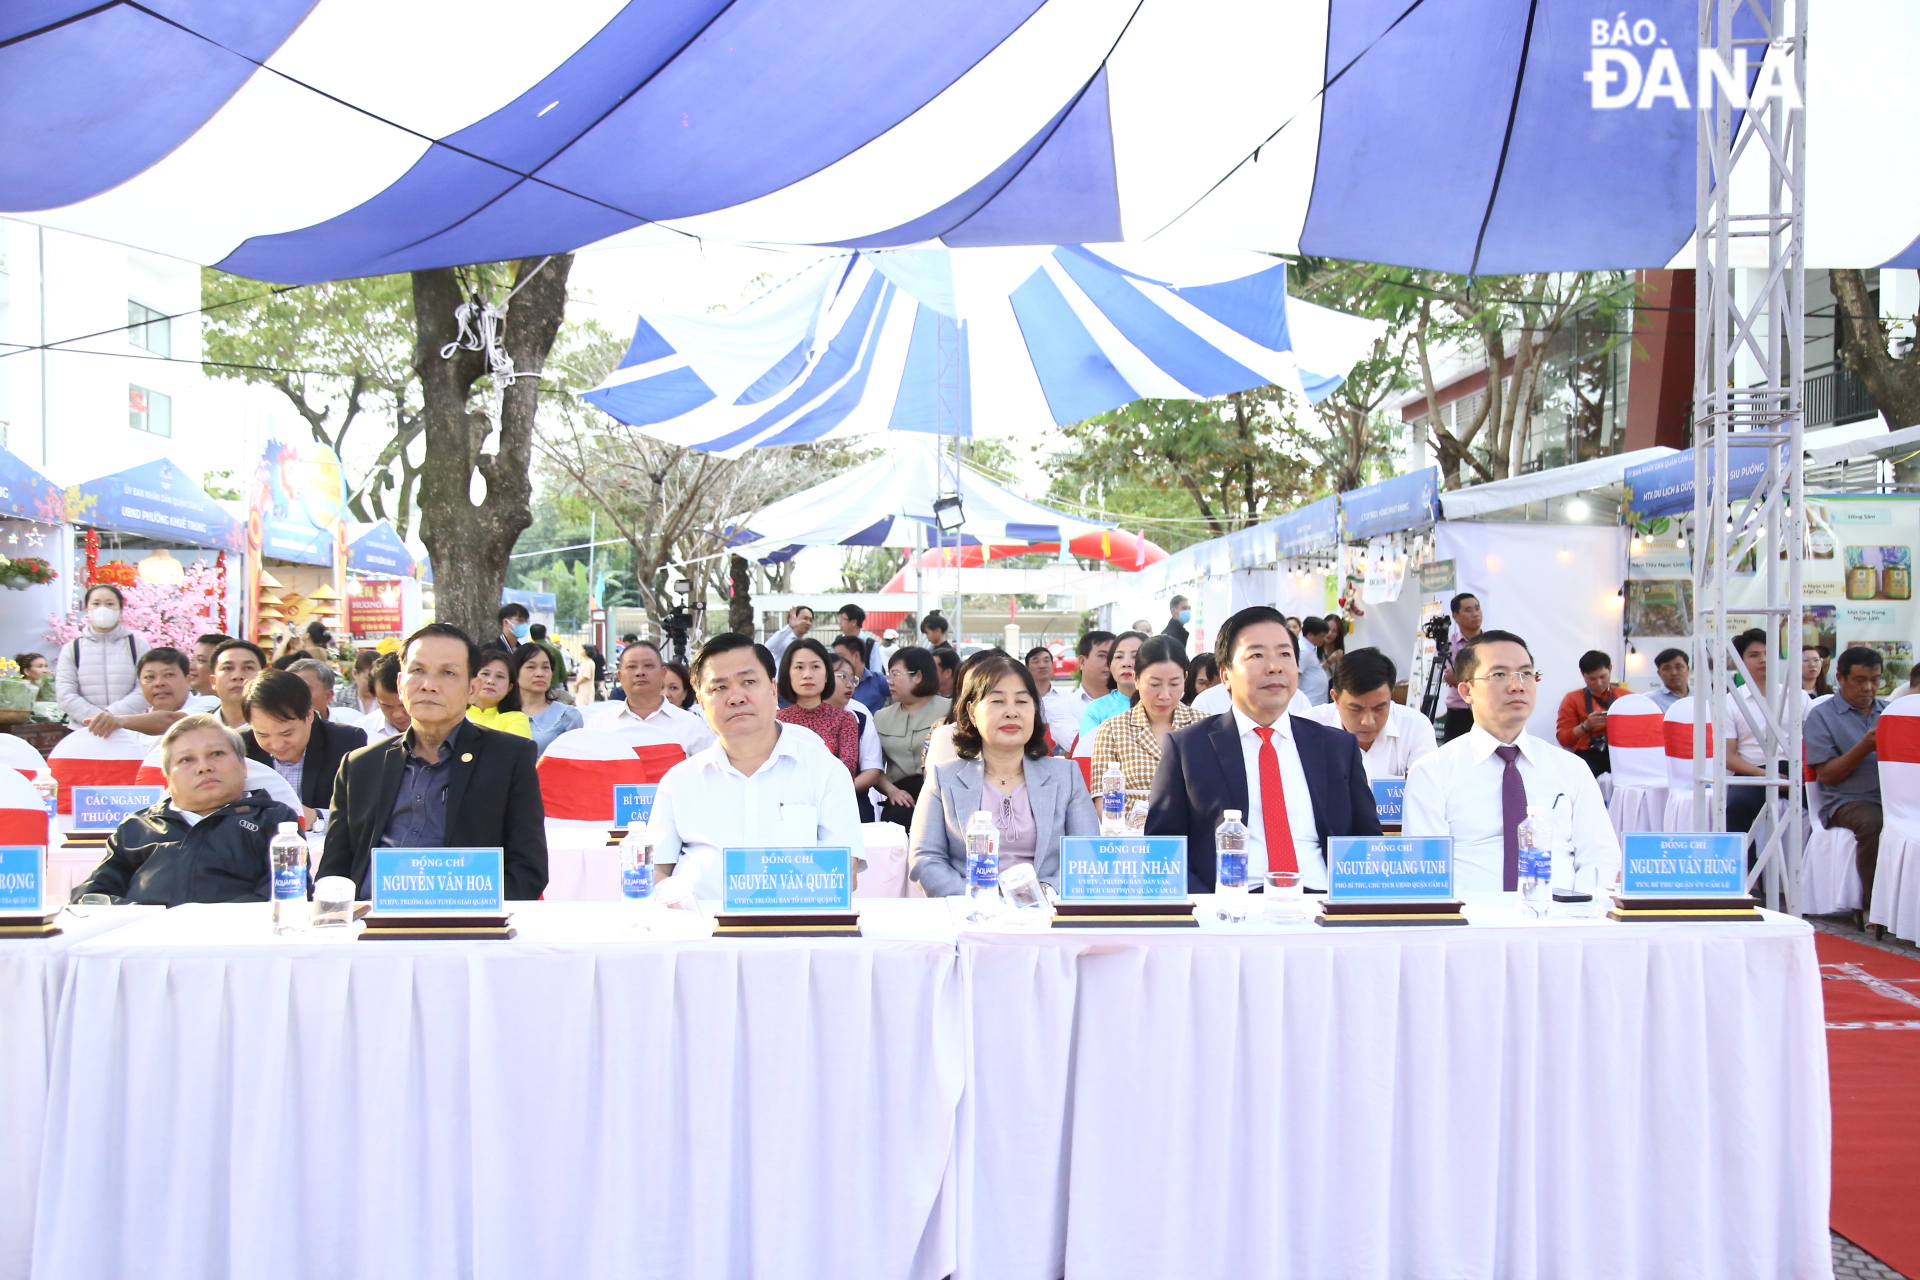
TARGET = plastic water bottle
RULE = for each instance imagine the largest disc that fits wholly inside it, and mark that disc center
(1230, 866)
(636, 872)
(983, 865)
(1113, 801)
(49, 789)
(288, 854)
(1535, 863)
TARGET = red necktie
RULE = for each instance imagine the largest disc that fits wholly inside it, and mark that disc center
(1273, 808)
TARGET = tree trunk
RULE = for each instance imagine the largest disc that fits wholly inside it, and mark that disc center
(740, 606)
(1893, 381)
(469, 541)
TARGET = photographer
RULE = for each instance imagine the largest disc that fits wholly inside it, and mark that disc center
(1582, 723)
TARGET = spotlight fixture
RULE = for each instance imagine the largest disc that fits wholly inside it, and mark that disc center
(948, 514)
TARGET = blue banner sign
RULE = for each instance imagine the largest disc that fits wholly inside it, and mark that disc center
(633, 803)
(439, 882)
(1389, 799)
(1390, 869)
(23, 877)
(1691, 864)
(1664, 486)
(1123, 869)
(1311, 528)
(1405, 502)
(793, 879)
(105, 808)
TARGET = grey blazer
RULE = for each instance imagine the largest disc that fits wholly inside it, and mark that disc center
(1055, 790)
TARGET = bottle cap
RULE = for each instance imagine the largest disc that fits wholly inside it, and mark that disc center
(1231, 815)
(289, 828)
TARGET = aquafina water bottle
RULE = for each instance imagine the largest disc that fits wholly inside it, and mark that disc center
(1230, 866)
(288, 855)
(1113, 801)
(983, 864)
(1535, 863)
(49, 791)
(636, 871)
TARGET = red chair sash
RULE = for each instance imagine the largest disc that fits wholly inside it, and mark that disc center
(582, 790)
(1636, 731)
(23, 826)
(657, 760)
(71, 771)
(1897, 739)
(1679, 738)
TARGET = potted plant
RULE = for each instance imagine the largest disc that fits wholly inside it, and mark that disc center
(27, 571)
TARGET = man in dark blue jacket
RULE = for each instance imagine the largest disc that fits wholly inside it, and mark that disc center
(1296, 784)
(207, 841)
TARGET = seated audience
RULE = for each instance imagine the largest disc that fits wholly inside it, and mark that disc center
(321, 679)
(389, 713)
(947, 660)
(873, 761)
(1477, 788)
(164, 691)
(869, 686)
(495, 700)
(799, 623)
(676, 684)
(1003, 768)
(1745, 757)
(1391, 737)
(1676, 674)
(1096, 682)
(286, 732)
(762, 784)
(363, 700)
(1133, 738)
(1203, 673)
(1468, 618)
(1581, 725)
(1295, 783)
(235, 664)
(445, 782)
(1842, 741)
(200, 674)
(646, 717)
(903, 725)
(207, 841)
(533, 681)
(1059, 707)
(1315, 636)
(805, 684)
(1120, 671)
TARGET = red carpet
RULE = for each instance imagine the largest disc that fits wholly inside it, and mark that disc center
(1876, 1097)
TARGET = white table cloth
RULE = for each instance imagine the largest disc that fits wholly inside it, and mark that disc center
(574, 1103)
(31, 974)
(1574, 1099)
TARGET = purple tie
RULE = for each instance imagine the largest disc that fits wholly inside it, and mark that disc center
(1513, 811)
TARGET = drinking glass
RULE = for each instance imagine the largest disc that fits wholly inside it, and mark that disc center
(1137, 818)
(1021, 888)
(1286, 898)
(332, 903)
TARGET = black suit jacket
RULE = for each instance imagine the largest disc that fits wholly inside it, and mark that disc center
(1202, 774)
(327, 746)
(493, 801)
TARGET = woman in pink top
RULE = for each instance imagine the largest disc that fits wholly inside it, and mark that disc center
(806, 682)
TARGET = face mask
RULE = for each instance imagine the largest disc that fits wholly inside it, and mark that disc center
(1186, 616)
(521, 630)
(103, 617)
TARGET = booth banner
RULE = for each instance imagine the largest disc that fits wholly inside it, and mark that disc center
(1252, 548)
(380, 551)
(300, 497)
(1386, 570)
(157, 499)
(1856, 579)
(1411, 501)
(373, 607)
(1665, 487)
(1312, 528)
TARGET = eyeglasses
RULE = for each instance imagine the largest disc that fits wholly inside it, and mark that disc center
(1508, 679)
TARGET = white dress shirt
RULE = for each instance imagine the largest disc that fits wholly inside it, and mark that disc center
(871, 756)
(1293, 780)
(1456, 792)
(1062, 710)
(1406, 737)
(1218, 699)
(378, 730)
(667, 724)
(799, 797)
(1746, 744)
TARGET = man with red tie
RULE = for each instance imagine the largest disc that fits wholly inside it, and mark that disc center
(1295, 783)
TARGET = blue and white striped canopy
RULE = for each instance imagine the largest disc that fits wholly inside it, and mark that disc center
(977, 342)
(301, 140)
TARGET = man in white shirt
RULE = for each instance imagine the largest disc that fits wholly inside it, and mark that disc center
(320, 678)
(1219, 699)
(1296, 783)
(762, 784)
(1391, 736)
(1061, 708)
(646, 718)
(389, 715)
(799, 622)
(1478, 787)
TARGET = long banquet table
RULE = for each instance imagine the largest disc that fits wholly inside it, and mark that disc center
(1524, 1099)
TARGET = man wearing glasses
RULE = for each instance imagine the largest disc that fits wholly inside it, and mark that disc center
(1478, 787)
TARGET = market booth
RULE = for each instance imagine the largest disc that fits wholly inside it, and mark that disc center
(37, 572)
(296, 531)
(383, 583)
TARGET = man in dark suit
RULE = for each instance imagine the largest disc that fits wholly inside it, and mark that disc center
(444, 783)
(1295, 784)
(304, 748)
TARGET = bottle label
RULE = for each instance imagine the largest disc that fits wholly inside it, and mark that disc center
(1114, 802)
(290, 882)
(636, 883)
(1233, 868)
(1536, 863)
(983, 870)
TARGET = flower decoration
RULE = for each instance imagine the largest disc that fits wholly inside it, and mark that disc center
(119, 573)
(9, 669)
(30, 569)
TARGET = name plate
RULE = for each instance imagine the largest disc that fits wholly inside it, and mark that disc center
(1390, 869)
(1684, 864)
(1123, 869)
(439, 882)
(788, 879)
(1389, 800)
(633, 804)
(23, 877)
(105, 808)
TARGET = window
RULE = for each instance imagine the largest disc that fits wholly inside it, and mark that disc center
(150, 411)
(149, 329)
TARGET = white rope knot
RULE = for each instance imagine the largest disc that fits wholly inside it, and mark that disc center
(479, 322)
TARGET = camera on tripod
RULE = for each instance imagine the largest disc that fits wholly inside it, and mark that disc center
(677, 625)
(1437, 628)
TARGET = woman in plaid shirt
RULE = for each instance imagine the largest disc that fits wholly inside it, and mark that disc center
(1133, 738)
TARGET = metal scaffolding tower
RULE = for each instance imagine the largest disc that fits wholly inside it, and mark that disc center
(1747, 405)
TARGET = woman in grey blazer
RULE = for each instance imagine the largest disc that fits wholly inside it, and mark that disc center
(1034, 798)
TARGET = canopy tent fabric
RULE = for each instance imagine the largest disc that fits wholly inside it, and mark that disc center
(26, 493)
(377, 549)
(156, 500)
(1554, 482)
(1282, 125)
(889, 503)
(977, 342)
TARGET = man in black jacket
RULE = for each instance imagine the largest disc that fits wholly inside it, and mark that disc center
(304, 748)
(207, 841)
(444, 783)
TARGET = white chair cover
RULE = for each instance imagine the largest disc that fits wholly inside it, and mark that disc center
(1829, 872)
(85, 759)
(17, 753)
(1636, 745)
(1678, 730)
(886, 855)
(1896, 879)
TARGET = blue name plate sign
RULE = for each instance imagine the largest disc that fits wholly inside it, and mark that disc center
(633, 803)
(439, 882)
(23, 877)
(1684, 864)
(1389, 799)
(1390, 869)
(793, 879)
(1123, 869)
(105, 808)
